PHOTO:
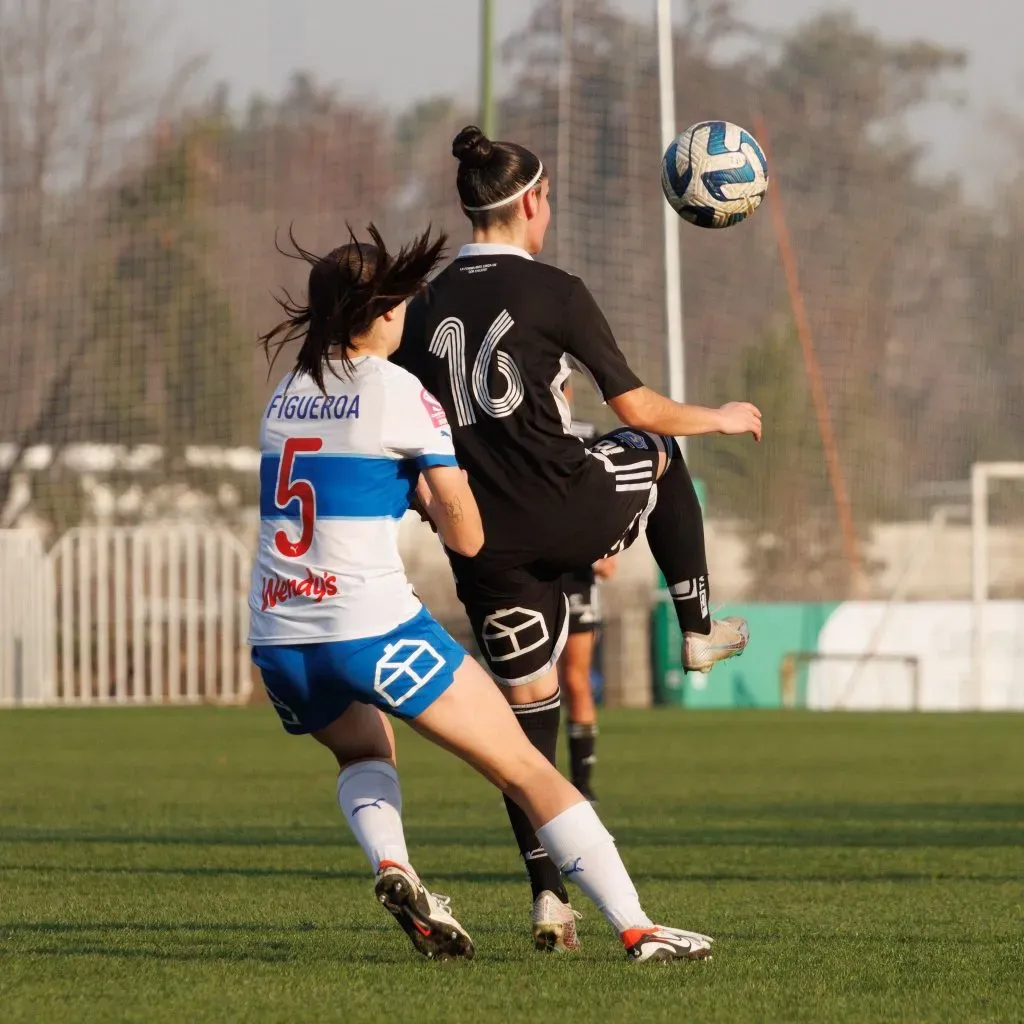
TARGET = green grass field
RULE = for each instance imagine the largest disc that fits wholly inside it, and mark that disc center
(190, 865)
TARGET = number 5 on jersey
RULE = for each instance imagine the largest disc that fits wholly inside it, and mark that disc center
(289, 490)
(449, 343)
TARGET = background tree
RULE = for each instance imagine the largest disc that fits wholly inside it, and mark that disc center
(136, 244)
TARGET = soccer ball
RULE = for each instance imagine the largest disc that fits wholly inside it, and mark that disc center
(714, 174)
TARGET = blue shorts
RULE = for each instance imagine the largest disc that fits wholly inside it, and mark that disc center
(402, 673)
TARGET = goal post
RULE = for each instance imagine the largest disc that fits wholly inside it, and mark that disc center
(827, 681)
(982, 476)
(675, 353)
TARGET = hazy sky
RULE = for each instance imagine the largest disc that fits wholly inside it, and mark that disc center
(394, 51)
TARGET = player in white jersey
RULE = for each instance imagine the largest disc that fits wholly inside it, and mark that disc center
(338, 633)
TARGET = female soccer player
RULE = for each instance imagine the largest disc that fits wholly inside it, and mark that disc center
(492, 338)
(337, 631)
(582, 591)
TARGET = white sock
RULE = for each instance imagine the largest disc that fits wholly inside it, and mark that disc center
(371, 800)
(585, 852)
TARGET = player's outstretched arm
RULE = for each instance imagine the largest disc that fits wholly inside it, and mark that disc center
(589, 340)
(647, 410)
(445, 496)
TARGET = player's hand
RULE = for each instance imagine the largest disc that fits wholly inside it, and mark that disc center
(604, 568)
(423, 514)
(740, 418)
(421, 501)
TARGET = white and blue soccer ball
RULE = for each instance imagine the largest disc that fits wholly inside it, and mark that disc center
(714, 174)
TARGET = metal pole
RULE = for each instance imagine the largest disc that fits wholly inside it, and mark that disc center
(564, 138)
(979, 583)
(488, 120)
(676, 356)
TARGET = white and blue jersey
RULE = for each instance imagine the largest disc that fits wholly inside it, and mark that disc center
(329, 590)
(336, 475)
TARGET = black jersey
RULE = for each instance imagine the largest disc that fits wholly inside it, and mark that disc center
(578, 581)
(494, 337)
(583, 430)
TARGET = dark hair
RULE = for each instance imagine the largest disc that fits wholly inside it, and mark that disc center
(348, 289)
(489, 172)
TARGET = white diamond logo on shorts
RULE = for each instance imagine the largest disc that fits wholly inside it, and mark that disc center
(510, 632)
(404, 669)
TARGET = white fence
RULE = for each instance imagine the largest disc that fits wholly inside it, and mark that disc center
(26, 619)
(139, 615)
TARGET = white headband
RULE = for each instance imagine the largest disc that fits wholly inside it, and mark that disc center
(511, 199)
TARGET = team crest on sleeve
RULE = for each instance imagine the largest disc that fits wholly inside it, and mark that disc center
(434, 410)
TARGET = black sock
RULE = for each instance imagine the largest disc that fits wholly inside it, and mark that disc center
(675, 533)
(540, 723)
(582, 740)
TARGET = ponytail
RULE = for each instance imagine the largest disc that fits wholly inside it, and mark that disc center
(348, 290)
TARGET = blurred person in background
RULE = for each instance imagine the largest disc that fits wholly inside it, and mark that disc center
(583, 592)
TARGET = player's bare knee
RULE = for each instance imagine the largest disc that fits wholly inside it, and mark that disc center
(529, 693)
(513, 768)
(525, 773)
(664, 447)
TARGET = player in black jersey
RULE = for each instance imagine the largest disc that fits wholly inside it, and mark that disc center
(492, 338)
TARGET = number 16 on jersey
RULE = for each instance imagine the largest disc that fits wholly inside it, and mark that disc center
(449, 343)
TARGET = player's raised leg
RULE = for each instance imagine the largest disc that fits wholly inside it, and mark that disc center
(675, 533)
(470, 719)
(674, 525)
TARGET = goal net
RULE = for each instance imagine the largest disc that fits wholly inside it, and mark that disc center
(138, 211)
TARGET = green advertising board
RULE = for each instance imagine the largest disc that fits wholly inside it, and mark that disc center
(751, 680)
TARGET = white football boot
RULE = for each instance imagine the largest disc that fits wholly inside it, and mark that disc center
(554, 924)
(660, 943)
(424, 916)
(727, 639)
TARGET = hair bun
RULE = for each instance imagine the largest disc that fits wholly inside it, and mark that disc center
(471, 147)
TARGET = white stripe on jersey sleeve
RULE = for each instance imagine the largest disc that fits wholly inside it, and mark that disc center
(561, 402)
(414, 424)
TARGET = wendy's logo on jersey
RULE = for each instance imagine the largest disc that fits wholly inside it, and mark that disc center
(277, 589)
(434, 410)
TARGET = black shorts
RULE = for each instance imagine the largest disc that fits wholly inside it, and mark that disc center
(519, 613)
(581, 591)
